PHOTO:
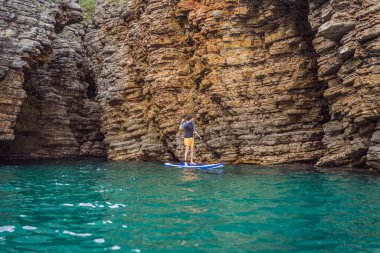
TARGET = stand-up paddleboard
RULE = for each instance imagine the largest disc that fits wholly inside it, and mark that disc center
(195, 166)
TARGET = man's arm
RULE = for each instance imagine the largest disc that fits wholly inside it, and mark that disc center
(181, 125)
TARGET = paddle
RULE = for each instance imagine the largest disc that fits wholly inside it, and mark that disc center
(215, 154)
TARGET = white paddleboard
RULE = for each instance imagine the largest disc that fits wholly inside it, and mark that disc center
(195, 166)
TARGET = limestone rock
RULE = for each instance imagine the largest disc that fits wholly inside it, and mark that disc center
(373, 156)
(245, 68)
(45, 110)
(26, 31)
(270, 81)
(350, 68)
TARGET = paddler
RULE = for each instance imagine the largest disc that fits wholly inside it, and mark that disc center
(188, 126)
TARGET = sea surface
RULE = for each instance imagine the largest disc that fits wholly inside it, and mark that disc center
(102, 206)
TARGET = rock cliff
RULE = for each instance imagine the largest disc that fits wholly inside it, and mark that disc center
(47, 105)
(347, 39)
(247, 69)
(270, 81)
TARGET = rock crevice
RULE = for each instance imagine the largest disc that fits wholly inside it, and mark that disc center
(45, 112)
(347, 41)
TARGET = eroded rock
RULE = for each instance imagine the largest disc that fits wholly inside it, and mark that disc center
(270, 81)
(350, 67)
(247, 69)
(45, 110)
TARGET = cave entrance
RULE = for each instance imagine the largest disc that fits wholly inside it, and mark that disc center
(26, 130)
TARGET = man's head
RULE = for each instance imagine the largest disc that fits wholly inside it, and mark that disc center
(190, 117)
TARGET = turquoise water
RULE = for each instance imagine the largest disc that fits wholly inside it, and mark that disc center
(99, 206)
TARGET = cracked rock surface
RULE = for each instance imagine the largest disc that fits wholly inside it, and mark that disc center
(348, 43)
(246, 69)
(270, 81)
(45, 110)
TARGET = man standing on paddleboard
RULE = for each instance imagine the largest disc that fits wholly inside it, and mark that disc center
(188, 126)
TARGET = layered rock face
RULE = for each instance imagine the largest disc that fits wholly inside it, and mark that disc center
(348, 43)
(142, 72)
(46, 94)
(270, 81)
(26, 32)
(260, 100)
(245, 68)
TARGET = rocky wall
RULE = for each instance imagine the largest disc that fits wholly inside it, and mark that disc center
(270, 81)
(27, 29)
(259, 98)
(47, 105)
(142, 71)
(247, 69)
(348, 43)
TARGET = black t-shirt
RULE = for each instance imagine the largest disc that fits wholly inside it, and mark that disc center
(189, 128)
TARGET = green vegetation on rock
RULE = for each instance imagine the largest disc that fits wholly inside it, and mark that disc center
(89, 7)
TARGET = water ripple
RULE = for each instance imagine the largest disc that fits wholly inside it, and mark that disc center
(9, 229)
(77, 234)
(99, 240)
(89, 206)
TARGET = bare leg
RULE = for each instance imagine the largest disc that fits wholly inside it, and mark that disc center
(186, 151)
(192, 154)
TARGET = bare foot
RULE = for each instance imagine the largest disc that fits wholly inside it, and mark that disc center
(192, 163)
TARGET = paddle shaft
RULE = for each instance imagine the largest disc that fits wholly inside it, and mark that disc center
(214, 153)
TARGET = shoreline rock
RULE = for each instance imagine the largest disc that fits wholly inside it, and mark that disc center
(45, 111)
(271, 81)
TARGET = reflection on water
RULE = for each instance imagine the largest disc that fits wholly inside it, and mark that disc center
(189, 175)
(100, 206)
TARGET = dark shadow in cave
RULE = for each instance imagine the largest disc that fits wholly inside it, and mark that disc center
(27, 133)
(92, 87)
